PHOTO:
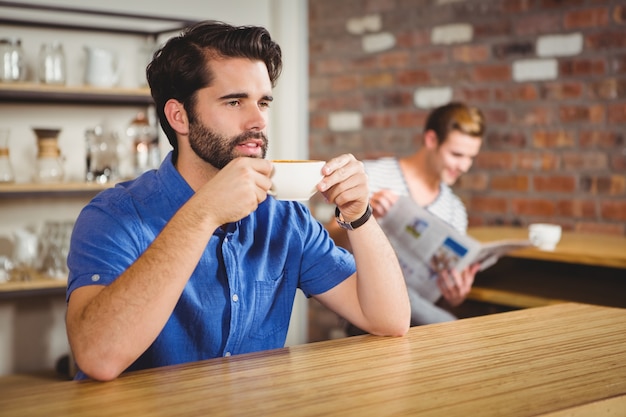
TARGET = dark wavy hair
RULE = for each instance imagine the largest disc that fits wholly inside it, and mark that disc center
(455, 116)
(181, 66)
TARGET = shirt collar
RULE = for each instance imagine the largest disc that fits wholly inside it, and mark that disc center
(177, 190)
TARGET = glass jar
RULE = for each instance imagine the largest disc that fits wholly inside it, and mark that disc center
(12, 64)
(52, 68)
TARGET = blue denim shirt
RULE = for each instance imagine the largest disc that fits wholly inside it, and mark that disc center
(240, 296)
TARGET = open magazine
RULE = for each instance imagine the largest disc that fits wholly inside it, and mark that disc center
(426, 245)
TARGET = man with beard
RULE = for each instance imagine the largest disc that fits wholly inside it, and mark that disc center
(194, 260)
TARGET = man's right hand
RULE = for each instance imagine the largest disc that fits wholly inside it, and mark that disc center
(237, 189)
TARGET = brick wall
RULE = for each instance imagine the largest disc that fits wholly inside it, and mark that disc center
(550, 76)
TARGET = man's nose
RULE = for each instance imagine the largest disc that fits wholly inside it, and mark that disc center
(466, 164)
(256, 118)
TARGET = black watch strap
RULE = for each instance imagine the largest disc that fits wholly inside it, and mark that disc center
(355, 224)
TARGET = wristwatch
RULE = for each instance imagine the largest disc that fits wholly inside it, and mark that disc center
(355, 224)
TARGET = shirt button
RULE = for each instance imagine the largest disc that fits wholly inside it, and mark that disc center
(235, 297)
(227, 354)
(95, 277)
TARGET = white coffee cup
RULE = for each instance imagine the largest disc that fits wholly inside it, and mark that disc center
(295, 179)
(545, 236)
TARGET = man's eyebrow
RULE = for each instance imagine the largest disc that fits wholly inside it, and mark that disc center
(243, 95)
(234, 95)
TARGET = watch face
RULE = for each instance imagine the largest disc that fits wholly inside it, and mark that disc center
(345, 225)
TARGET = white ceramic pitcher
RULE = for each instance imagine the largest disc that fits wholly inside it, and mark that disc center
(102, 67)
(25, 247)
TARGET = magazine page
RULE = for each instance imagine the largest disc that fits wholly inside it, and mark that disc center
(423, 242)
(492, 251)
(426, 245)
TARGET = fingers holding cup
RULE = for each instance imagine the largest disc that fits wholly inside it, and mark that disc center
(345, 184)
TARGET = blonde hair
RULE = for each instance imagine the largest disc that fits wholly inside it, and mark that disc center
(455, 116)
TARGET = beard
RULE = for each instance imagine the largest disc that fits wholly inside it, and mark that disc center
(218, 150)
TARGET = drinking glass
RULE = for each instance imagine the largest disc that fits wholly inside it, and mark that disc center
(54, 247)
(25, 252)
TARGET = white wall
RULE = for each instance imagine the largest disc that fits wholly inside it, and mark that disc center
(286, 21)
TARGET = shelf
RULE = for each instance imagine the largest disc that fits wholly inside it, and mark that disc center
(83, 19)
(23, 190)
(39, 286)
(41, 93)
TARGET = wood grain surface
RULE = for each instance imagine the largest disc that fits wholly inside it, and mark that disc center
(561, 359)
(574, 247)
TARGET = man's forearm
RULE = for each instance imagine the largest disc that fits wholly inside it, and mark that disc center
(110, 328)
(380, 286)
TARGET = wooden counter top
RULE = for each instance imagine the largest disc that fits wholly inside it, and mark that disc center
(574, 247)
(566, 359)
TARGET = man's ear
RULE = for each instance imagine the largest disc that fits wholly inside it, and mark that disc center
(430, 139)
(177, 116)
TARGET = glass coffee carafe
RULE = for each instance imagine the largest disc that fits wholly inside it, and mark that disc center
(49, 159)
(6, 169)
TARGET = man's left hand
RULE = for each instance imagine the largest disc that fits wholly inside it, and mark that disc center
(454, 285)
(345, 185)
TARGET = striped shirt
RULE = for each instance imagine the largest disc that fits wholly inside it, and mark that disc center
(385, 174)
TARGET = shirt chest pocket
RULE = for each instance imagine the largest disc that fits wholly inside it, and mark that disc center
(273, 301)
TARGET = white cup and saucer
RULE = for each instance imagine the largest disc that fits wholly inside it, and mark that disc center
(544, 236)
